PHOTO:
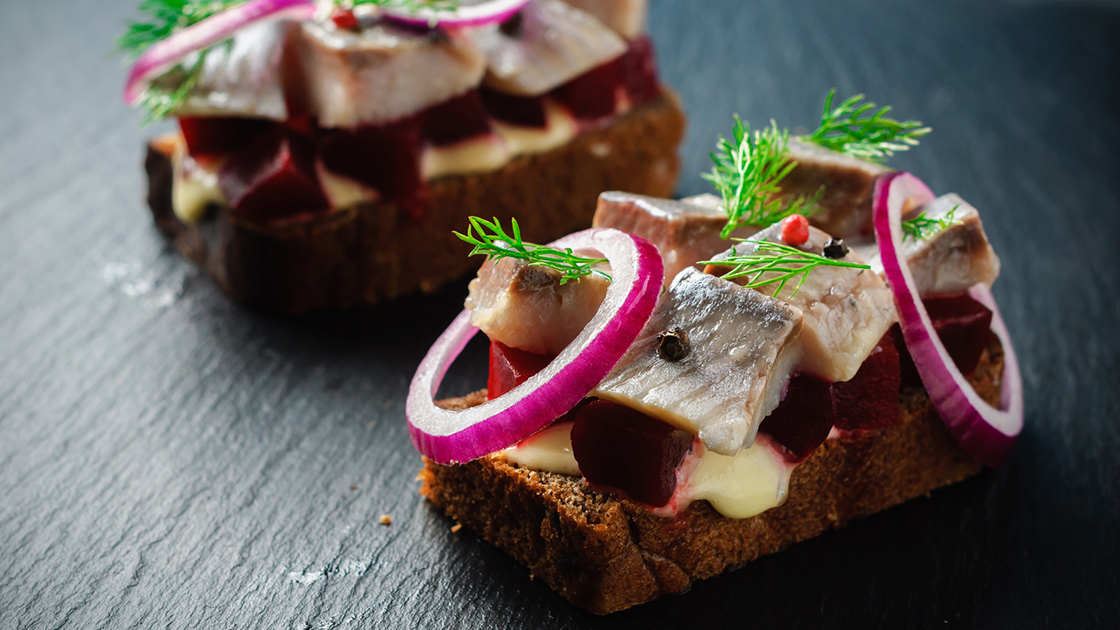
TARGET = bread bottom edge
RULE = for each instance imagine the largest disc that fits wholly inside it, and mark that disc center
(606, 554)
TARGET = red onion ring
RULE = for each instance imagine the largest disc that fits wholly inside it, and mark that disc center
(486, 12)
(163, 55)
(984, 432)
(447, 436)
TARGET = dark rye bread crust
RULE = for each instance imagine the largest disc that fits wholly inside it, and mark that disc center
(372, 252)
(607, 554)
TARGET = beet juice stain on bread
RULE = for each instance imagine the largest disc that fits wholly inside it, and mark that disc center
(328, 149)
(665, 404)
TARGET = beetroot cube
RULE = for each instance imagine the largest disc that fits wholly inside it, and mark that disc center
(592, 95)
(272, 177)
(870, 399)
(803, 419)
(384, 157)
(625, 452)
(458, 119)
(210, 136)
(510, 367)
(525, 111)
(962, 324)
(639, 71)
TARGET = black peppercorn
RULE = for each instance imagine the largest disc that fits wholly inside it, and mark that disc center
(835, 249)
(513, 26)
(672, 344)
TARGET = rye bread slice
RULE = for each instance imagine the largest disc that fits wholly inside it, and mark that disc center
(373, 252)
(606, 554)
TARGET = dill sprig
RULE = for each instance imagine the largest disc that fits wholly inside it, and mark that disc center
(164, 17)
(922, 227)
(775, 263)
(490, 240)
(747, 172)
(854, 128)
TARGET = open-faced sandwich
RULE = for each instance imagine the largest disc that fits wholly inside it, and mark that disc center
(664, 405)
(326, 150)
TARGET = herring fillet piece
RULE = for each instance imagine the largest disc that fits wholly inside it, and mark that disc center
(381, 74)
(684, 232)
(950, 260)
(743, 346)
(848, 182)
(525, 306)
(243, 77)
(846, 311)
(626, 17)
(554, 44)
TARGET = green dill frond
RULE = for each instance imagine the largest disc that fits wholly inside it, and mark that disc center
(747, 172)
(164, 17)
(490, 240)
(922, 227)
(858, 129)
(775, 263)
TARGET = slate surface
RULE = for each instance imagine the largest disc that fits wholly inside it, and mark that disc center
(168, 459)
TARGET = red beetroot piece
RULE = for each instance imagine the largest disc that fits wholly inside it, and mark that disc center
(804, 418)
(510, 367)
(592, 95)
(272, 177)
(211, 136)
(625, 452)
(524, 111)
(384, 157)
(870, 399)
(458, 119)
(639, 71)
(964, 327)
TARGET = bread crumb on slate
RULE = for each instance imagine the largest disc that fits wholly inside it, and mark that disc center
(385, 519)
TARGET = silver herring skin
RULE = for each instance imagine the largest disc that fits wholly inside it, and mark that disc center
(553, 44)
(847, 311)
(382, 73)
(743, 346)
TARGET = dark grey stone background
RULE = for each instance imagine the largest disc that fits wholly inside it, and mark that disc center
(168, 459)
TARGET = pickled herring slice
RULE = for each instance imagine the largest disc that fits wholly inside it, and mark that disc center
(546, 45)
(846, 311)
(380, 74)
(741, 348)
(683, 231)
(950, 260)
(527, 307)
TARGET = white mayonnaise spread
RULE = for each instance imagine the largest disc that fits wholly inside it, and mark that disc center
(194, 186)
(550, 450)
(738, 486)
(560, 127)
